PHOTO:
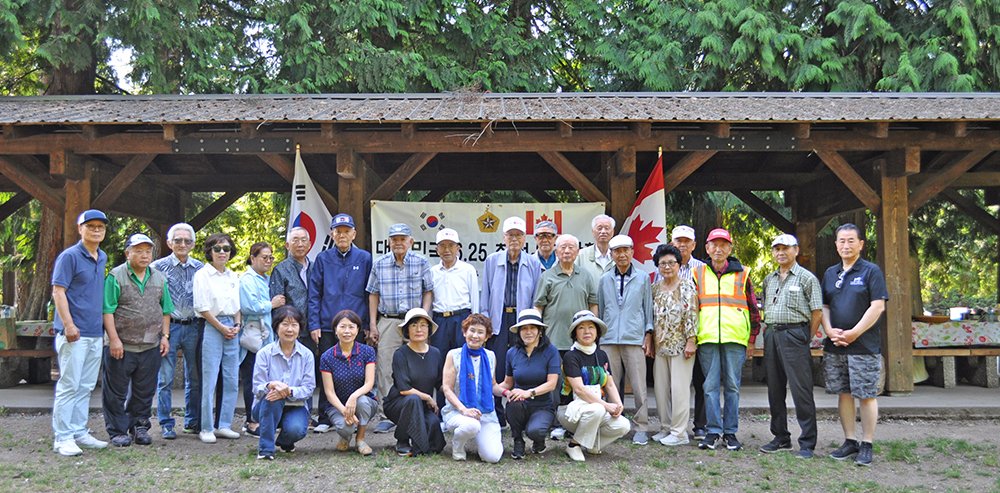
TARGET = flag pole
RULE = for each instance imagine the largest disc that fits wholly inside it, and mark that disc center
(659, 151)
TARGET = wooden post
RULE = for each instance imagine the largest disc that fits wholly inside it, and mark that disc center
(805, 232)
(352, 191)
(621, 184)
(78, 196)
(894, 249)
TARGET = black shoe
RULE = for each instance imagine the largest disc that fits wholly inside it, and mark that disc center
(865, 454)
(403, 449)
(708, 443)
(775, 445)
(518, 452)
(699, 433)
(288, 448)
(731, 442)
(537, 446)
(265, 456)
(805, 454)
(252, 432)
(849, 448)
(141, 436)
(121, 441)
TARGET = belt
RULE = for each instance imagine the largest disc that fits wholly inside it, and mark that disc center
(510, 309)
(186, 321)
(390, 315)
(787, 326)
(463, 311)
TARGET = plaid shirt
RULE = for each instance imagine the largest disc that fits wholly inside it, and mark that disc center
(791, 301)
(400, 288)
(180, 283)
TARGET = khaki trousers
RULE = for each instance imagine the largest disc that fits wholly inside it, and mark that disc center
(672, 389)
(632, 359)
(389, 340)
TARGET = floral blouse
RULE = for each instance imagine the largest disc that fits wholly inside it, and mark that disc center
(675, 317)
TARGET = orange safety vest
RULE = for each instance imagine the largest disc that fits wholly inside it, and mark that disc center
(723, 316)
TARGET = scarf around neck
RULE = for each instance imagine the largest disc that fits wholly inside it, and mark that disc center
(472, 395)
(588, 350)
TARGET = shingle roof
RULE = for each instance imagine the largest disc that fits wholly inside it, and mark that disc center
(475, 107)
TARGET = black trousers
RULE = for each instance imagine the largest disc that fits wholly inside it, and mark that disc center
(499, 344)
(416, 424)
(788, 362)
(246, 383)
(531, 417)
(127, 390)
(698, 380)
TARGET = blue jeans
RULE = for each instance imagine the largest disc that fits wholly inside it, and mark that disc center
(293, 421)
(723, 367)
(187, 339)
(79, 365)
(219, 354)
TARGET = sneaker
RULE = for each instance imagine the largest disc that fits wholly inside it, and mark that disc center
(66, 448)
(865, 454)
(699, 433)
(88, 441)
(265, 456)
(226, 433)
(207, 437)
(141, 436)
(384, 426)
(640, 438)
(322, 428)
(121, 441)
(288, 449)
(660, 435)
(674, 440)
(849, 448)
(169, 433)
(403, 449)
(255, 432)
(775, 445)
(575, 452)
(518, 452)
(732, 443)
(708, 443)
(805, 454)
(313, 423)
(189, 430)
(537, 446)
(458, 453)
(558, 433)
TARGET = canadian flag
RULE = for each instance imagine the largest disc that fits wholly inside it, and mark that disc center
(647, 223)
(308, 210)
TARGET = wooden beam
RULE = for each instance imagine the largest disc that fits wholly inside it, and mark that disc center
(122, 180)
(172, 132)
(721, 130)
(65, 163)
(329, 131)
(801, 130)
(11, 132)
(855, 183)
(94, 131)
(878, 130)
(402, 175)
(894, 247)
(622, 184)
(940, 181)
(214, 209)
(347, 164)
(78, 193)
(690, 163)
(764, 209)
(13, 204)
(248, 130)
(286, 169)
(957, 129)
(904, 162)
(642, 129)
(51, 198)
(486, 129)
(970, 208)
(409, 130)
(574, 177)
(353, 193)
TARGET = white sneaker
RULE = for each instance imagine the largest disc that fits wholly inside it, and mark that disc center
(88, 441)
(207, 436)
(674, 440)
(227, 433)
(67, 448)
(660, 436)
(458, 453)
(321, 428)
(576, 453)
(558, 433)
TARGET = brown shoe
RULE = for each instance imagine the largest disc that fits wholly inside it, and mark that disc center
(364, 449)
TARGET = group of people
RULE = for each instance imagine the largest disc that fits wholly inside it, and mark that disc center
(540, 344)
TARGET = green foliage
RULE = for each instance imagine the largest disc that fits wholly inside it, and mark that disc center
(256, 216)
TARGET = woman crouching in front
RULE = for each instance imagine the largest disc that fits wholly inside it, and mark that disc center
(348, 372)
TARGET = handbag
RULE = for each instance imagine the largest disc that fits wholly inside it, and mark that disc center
(252, 336)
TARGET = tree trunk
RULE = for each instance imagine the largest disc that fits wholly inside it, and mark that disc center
(49, 245)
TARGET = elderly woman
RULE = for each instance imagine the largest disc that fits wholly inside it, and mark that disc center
(532, 373)
(469, 389)
(348, 372)
(416, 373)
(593, 408)
(216, 296)
(675, 325)
(284, 378)
(256, 304)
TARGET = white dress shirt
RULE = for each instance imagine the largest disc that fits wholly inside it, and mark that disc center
(456, 288)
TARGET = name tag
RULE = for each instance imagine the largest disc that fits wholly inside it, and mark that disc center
(794, 289)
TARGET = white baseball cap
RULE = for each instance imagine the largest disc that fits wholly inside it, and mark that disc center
(787, 240)
(682, 232)
(619, 241)
(514, 222)
(447, 234)
(138, 239)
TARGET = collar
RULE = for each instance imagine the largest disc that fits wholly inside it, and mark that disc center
(253, 273)
(342, 254)
(83, 250)
(339, 353)
(135, 274)
(174, 261)
(276, 349)
(794, 270)
(212, 271)
(627, 274)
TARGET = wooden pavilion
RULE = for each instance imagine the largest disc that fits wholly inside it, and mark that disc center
(830, 153)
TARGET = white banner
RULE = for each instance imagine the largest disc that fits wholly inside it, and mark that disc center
(478, 225)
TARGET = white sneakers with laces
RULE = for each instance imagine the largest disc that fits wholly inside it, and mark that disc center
(67, 448)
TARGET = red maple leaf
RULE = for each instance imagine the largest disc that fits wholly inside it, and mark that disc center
(643, 234)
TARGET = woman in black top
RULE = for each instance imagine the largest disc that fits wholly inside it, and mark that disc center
(416, 375)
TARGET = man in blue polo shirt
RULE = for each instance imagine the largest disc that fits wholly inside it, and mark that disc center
(854, 295)
(77, 290)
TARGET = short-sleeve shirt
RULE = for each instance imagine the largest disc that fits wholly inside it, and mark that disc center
(83, 278)
(560, 295)
(531, 371)
(592, 368)
(347, 370)
(400, 288)
(791, 301)
(849, 294)
(412, 370)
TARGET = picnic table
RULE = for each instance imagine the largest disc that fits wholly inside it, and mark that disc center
(25, 351)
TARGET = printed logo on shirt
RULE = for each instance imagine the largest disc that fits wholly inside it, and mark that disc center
(857, 281)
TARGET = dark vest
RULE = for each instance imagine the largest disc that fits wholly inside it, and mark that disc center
(139, 317)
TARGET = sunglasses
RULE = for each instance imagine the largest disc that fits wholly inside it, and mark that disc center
(267, 258)
(182, 241)
(222, 249)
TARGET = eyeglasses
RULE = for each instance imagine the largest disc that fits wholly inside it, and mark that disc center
(668, 263)
(182, 241)
(95, 227)
(222, 249)
(545, 236)
(267, 258)
(299, 241)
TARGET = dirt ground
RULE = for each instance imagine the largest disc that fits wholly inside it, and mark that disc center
(910, 456)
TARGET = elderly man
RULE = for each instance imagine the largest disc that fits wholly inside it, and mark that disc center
(137, 310)
(336, 282)
(456, 295)
(854, 295)
(400, 280)
(728, 323)
(545, 243)
(793, 310)
(683, 238)
(185, 333)
(595, 259)
(77, 286)
(625, 299)
(564, 290)
(509, 280)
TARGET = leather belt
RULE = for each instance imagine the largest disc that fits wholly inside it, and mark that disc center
(463, 311)
(787, 326)
(390, 315)
(510, 309)
(187, 321)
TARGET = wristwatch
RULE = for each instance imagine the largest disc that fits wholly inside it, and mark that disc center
(167, 336)
(532, 393)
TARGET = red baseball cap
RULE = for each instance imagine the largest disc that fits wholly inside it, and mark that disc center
(719, 234)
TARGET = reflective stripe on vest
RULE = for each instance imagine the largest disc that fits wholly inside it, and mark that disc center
(723, 316)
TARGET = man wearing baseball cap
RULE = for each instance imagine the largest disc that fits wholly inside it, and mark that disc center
(336, 282)
(509, 280)
(793, 310)
(137, 308)
(545, 243)
(77, 285)
(683, 238)
(456, 295)
(728, 322)
(400, 281)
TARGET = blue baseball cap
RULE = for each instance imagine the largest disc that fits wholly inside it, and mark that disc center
(399, 229)
(342, 220)
(91, 215)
